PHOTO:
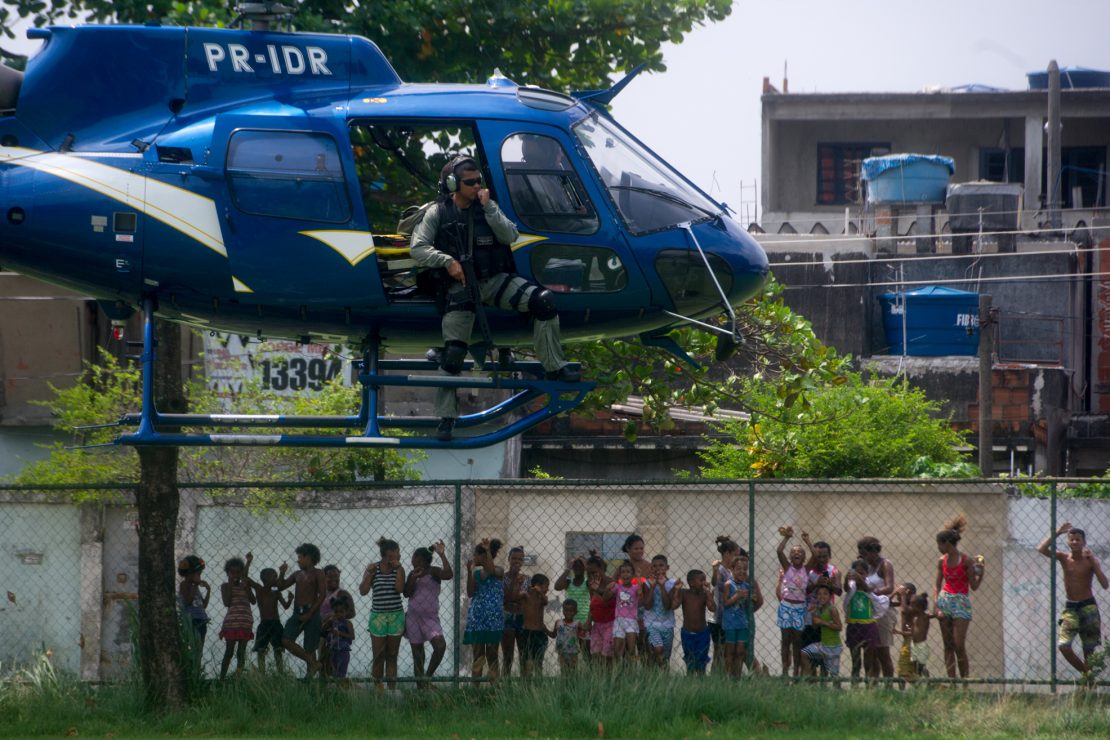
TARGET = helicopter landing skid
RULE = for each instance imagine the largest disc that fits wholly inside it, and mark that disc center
(527, 380)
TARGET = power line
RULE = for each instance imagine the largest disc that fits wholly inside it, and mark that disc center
(1007, 279)
(930, 258)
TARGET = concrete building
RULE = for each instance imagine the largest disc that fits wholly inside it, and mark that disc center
(813, 145)
(836, 253)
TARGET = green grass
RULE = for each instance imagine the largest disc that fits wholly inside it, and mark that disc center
(635, 704)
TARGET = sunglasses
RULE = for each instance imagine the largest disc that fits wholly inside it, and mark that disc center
(872, 548)
(472, 181)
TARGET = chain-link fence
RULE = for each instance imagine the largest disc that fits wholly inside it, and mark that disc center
(71, 572)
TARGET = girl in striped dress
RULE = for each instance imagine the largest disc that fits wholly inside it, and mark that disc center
(386, 578)
(238, 626)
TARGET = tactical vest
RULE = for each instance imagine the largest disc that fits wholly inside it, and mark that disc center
(490, 256)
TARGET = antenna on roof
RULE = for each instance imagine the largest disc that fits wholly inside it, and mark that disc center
(261, 15)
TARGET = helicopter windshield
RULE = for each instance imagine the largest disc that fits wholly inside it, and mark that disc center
(649, 194)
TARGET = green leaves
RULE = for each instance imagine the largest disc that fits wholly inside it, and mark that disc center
(852, 429)
(557, 44)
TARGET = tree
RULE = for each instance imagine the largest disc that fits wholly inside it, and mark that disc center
(857, 429)
(560, 44)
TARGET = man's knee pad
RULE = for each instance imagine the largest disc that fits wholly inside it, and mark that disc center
(454, 355)
(542, 304)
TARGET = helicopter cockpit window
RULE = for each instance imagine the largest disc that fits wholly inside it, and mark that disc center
(566, 268)
(545, 191)
(398, 165)
(287, 174)
(648, 193)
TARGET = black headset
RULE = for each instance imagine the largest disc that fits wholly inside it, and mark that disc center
(449, 181)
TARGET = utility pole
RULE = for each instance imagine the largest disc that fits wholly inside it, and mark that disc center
(986, 366)
(1055, 182)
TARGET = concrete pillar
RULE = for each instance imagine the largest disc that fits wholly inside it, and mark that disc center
(92, 589)
(1034, 143)
(769, 203)
(651, 522)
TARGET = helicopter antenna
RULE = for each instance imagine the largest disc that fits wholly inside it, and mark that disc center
(261, 15)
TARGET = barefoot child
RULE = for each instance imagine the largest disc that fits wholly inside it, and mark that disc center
(695, 633)
(516, 584)
(193, 594)
(734, 617)
(573, 581)
(826, 651)
(422, 621)
(903, 597)
(659, 608)
(341, 635)
(567, 633)
(270, 630)
(308, 594)
(238, 625)
(1080, 616)
(534, 633)
(485, 617)
(861, 635)
(386, 578)
(919, 649)
(626, 624)
(956, 575)
(791, 591)
(602, 609)
(331, 583)
(719, 571)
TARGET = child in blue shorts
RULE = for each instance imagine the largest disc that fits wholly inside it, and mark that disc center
(659, 609)
(695, 599)
(739, 597)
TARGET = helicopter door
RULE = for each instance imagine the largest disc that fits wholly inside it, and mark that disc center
(292, 234)
(570, 242)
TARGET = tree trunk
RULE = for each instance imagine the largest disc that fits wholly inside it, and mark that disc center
(158, 497)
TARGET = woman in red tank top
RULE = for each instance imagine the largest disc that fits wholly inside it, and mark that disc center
(956, 577)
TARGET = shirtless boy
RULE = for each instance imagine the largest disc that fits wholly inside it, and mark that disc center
(1080, 615)
(311, 588)
(695, 599)
(534, 634)
(270, 630)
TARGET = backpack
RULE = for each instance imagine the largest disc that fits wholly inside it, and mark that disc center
(411, 216)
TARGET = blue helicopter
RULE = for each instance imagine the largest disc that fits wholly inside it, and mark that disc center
(252, 181)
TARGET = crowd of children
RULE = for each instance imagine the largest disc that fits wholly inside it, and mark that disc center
(626, 616)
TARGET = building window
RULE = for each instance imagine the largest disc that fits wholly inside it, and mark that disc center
(1002, 165)
(838, 167)
(287, 174)
(545, 190)
(607, 544)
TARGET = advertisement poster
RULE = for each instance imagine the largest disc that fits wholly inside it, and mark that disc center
(279, 366)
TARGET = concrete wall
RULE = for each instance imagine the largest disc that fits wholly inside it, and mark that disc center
(40, 583)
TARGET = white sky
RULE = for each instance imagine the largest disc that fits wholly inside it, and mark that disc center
(703, 113)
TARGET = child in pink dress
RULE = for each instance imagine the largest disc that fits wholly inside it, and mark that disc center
(627, 591)
(422, 620)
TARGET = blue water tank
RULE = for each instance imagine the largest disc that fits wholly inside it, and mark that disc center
(938, 321)
(1071, 78)
(907, 178)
